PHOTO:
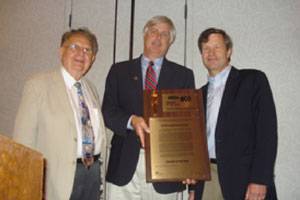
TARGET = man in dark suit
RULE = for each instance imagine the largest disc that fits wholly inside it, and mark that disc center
(241, 125)
(123, 110)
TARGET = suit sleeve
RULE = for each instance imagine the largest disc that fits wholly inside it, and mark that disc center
(115, 118)
(266, 132)
(26, 122)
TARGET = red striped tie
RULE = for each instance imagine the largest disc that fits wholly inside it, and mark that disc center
(150, 79)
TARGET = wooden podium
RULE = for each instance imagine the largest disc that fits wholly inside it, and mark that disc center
(21, 171)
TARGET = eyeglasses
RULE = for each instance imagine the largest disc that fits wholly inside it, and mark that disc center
(155, 32)
(76, 48)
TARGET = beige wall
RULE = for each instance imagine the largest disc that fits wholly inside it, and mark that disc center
(265, 34)
(30, 32)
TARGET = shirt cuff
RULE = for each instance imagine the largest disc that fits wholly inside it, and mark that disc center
(129, 123)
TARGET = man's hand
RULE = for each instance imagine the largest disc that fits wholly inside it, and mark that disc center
(140, 127)
(189, 181)
(191, 195)
(256, 192)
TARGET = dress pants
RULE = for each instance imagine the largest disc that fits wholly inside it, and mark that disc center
(87, 182)
(212, 189)
(137, 188)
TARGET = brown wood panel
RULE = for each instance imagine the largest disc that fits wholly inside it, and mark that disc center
(21, 171)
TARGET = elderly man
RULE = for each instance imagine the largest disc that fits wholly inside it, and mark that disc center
(60, 116)
(123, 110)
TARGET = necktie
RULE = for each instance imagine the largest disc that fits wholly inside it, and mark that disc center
(150, 79)
(87, 129)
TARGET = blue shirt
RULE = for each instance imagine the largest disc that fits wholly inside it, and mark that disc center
(216, 85)
(157, 67)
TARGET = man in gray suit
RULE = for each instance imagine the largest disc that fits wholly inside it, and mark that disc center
(60, 116)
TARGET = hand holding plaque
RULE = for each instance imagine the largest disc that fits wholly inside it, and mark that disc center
(176, 147)
(140, 127)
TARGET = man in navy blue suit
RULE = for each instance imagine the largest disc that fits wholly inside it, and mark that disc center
(123, 110)
(241, 126)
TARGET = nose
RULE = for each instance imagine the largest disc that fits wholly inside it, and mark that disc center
(157, 35)
(80, 51)
(211, 52)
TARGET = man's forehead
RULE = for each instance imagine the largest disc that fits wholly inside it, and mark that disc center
(78, 38)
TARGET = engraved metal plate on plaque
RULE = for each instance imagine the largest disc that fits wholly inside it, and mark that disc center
(176, 147)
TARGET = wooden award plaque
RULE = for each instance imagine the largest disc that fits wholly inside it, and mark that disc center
(176, 147)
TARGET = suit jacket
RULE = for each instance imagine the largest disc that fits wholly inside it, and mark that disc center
(246, 134)
(45, 122)
(123, 97)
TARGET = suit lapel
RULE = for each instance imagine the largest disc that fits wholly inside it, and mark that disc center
(165, 75)
(135, 76)
(93, 97)
(229, 94)
(61, 97)
(231, 87)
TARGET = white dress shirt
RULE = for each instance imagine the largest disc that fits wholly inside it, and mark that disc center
(94, 112)
(215, 92)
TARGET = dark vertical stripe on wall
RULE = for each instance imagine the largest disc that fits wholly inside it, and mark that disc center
(71, 14)
(131, 29)
(115, 32)
(185, 30)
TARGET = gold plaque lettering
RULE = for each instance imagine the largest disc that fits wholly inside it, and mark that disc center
(176, 147)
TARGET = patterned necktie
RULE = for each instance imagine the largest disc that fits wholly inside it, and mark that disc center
(87, 129)
(150, 79)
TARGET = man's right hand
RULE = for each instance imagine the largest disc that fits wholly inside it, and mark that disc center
(140, 127)
(191, 195)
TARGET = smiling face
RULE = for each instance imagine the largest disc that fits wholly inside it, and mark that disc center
(77, 56)
(157, 40)
(215, 55)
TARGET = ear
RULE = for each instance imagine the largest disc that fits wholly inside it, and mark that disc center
(61, 52)
(229, 52)
(93, 58)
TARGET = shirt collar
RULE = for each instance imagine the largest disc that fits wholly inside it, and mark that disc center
(220, 78)
(157, 62)
(69, 80)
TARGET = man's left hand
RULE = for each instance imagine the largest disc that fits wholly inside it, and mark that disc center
(256, 192)
(189, 181)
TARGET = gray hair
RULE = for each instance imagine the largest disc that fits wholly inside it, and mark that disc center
(161, 19)
(84, 32)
